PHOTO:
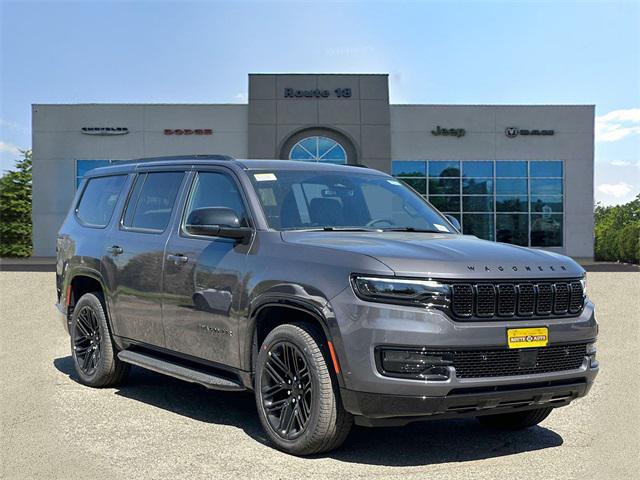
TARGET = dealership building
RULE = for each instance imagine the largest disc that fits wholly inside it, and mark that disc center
(521, 174)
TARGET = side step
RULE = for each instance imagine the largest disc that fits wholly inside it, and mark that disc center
(188, 374)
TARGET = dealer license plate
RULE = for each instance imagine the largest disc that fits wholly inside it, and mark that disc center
(527, 337)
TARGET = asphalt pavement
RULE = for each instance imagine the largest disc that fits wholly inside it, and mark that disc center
(156, 427)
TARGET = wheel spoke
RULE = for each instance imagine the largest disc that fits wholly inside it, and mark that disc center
(273, 389)
(273, 374)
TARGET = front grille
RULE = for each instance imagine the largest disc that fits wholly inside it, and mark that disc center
(502, 363)
(514, 299)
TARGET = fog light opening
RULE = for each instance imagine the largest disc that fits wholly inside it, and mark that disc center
(416, 364)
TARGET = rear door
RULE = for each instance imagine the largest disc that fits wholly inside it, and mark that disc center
(134, 255)
(203, 276)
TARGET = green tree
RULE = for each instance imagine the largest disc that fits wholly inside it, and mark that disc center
(617, 232)
(15, 209)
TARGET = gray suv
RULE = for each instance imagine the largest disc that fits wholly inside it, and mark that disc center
(336, 294)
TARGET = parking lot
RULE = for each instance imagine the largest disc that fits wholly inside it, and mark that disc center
(158, 427)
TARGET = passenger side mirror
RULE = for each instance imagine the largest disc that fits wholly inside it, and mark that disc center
(217, 222)
(454, 221)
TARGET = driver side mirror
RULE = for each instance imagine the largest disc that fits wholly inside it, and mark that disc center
(217, 222)
(454, 221)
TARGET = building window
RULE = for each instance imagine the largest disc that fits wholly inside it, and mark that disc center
(83, 166)
(318, 149)
(512, 201)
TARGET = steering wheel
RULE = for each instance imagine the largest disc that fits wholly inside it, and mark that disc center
(373, 222)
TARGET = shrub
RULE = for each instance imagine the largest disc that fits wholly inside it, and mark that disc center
(15, 209)
(617, 232)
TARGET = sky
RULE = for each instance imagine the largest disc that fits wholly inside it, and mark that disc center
(502, 52)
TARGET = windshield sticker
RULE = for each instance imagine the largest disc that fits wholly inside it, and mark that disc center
(265, 177)
(441, 228)
(394, 182)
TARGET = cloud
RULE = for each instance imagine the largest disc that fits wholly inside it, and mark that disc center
(617, 190)
(9, 148)
(618, 124)
(241, 97)
(625, 163)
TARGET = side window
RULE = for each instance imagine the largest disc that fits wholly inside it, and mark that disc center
(212, 189)
(99, 200)
(152, 200)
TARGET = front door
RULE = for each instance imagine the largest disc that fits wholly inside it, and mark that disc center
(203, 277)
(134, 258)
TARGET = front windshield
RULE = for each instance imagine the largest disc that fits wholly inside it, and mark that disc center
(298, 199)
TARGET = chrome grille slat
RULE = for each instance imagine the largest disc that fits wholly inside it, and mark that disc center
(485, 300)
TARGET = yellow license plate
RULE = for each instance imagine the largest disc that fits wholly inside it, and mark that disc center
(527, 337)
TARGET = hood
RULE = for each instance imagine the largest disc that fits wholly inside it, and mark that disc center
(444, 255)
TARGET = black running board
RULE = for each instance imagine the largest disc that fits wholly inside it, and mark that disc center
(188, 374)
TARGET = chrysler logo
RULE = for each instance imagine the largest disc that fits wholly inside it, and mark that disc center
(104, 130)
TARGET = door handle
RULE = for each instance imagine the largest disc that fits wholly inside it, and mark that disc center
(115, 250)
(177, 258)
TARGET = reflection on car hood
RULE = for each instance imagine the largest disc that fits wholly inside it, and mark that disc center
(443, 255)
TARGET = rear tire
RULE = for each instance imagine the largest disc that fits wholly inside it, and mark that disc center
(297, 396)
(516, 420)
(94, 354)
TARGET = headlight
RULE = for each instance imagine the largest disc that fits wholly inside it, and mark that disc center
(426, 293)
(583, 282)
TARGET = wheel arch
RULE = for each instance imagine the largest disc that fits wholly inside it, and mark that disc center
(260, 325)
(84, 280)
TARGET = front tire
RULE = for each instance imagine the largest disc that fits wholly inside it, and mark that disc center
(297, 396)
(94, 354)
(516, 420)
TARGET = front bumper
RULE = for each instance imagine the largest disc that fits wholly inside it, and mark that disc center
(364, 326)
(396, 410)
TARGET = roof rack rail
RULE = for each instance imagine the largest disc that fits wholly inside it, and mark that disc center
(186, 157)
(360, 165)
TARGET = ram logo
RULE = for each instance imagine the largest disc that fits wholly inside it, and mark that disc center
(511, 132)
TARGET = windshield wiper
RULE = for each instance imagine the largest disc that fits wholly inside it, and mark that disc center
(335, 229)
(411, 229)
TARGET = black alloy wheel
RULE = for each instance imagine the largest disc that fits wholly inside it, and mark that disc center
(287, 390)
(87, 340)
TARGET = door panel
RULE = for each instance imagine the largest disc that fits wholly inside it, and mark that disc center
(134, 257)
(203, 279)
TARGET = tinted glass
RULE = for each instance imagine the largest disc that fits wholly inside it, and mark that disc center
(546, 169)
(480, 225)
(546, 230)
(83, 166)
(477, 203)
(152, 200)
(546, 186)
(512, 228)
(401, 168)
(511, 169)
(212, 189)
(444, 168)
(477, 169)
(511, 185)
(99, 199)
(477, 186)
(418, 184)
(444, 186)
(545, 204)
(511, 203)
(308, 200)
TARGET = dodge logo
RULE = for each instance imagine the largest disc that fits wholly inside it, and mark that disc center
(511, 132)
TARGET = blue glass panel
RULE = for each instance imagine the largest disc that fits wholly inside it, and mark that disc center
(311, 144)
(546, 230)
(511, 186)
(477, 203)
(477, 186)
(335, 155)
(511, 169)
(439, 168)
(445, 204)
(546, 204)
(546, 186)
(324, 145)
(407, 168)
(477, 169)
(444, 186)
(511, 203)
(418, 184)
(546, 169)
(479, 225)
(512, 228)
(299, 153)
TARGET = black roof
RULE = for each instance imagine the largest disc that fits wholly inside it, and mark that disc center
(195, 160)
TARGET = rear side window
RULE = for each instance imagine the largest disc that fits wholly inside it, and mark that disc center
(152, 200)
(99, 200)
